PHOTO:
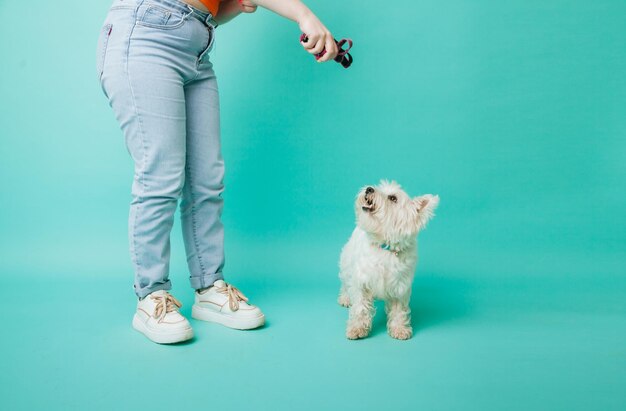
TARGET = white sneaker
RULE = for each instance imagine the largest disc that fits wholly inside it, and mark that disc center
(226, 305)
(157, 317)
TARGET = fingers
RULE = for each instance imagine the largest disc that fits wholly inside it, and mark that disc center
(319, 46)
(331, 49)
(315, 44)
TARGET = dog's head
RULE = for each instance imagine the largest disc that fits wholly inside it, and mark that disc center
(388, 213)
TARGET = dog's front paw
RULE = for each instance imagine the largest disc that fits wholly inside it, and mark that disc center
(354, 333)
(344, 300)
(400, 333)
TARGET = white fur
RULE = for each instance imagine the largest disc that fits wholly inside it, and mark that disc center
(369, 272)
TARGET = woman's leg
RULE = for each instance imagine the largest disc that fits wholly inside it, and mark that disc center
(143, 81)
(153, 121)
(201, 206)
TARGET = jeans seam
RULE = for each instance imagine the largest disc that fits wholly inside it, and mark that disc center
(205, 50)
(194, 77)
(140, 177)
(130, 33)
(105, 43)
(193, 219)
(209, 46)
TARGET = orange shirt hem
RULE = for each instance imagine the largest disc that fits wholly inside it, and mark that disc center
(212, 5)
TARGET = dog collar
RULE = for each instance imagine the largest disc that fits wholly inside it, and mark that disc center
(387, 247)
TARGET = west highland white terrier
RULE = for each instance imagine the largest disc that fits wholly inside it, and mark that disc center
(379, 260)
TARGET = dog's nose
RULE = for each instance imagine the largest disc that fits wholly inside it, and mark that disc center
(369, 190)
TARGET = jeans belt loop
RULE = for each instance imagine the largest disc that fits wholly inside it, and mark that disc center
(210, 21)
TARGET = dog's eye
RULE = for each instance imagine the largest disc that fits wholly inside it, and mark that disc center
(393, 198)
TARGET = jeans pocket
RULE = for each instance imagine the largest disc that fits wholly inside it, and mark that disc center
(209, 45)
(159, 17)
(103, 42)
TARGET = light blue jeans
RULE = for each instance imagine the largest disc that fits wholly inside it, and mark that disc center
(153, 65)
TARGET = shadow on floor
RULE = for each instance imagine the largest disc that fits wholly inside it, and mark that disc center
(435, 301)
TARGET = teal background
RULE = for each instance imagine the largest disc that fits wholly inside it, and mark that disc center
(513, 112)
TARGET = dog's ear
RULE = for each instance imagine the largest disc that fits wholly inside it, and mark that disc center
(425, 206)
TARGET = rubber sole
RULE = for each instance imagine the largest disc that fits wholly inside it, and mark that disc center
(205, 314)
(162, 338)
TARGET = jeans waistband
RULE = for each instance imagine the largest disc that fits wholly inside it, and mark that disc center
(174, 5)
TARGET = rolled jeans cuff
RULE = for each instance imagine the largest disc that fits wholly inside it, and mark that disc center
(205, 281)
(142, 292)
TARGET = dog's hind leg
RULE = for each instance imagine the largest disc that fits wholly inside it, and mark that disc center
(360, 315)
(399, 318)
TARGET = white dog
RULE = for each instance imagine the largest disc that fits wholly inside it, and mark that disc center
(379, 260)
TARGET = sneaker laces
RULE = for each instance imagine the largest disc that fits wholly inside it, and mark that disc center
(233, 294)
(165, 303)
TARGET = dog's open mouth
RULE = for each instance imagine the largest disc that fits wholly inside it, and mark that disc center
(368, 207)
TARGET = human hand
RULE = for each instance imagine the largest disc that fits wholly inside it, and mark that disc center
(246, 6)
(317, 38)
